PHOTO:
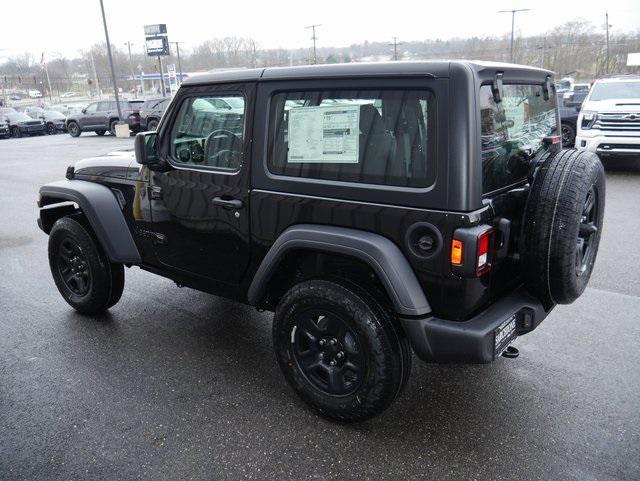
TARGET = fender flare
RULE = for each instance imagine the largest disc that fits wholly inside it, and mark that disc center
(101, 208)
(380, 253)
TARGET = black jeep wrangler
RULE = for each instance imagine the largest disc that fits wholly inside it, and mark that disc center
(377, 209)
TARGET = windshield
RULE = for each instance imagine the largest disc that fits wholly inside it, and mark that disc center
(616, 90)
(53, 114)
(18, 117)
(513, 131)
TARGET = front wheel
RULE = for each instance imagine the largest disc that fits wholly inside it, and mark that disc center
(74, 129)
(568, 135)
(341, 350)
(82, 272)
(152, 125)
(51, 129)
(15, 132)
(100, 132)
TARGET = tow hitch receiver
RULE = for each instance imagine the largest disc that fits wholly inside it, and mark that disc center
(510, 352)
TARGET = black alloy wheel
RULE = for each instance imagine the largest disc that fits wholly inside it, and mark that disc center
(51, 129)
(328, 352)
(15, 132)
(588, 228)
(568, 135)
(73, 267)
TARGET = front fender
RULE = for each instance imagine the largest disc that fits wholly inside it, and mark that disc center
(101, 208)
(381, 254)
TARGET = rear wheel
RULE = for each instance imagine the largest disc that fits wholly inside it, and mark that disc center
(74, 129)
(83, 274)
(152, 125)
(51, 129)
(341, 350)
(112, 127)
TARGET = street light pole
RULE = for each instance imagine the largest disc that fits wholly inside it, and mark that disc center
(513, 24)
(113, 73)
(314, 38)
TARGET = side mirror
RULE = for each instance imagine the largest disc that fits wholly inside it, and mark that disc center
(578, 108)
(84, 111)
(145, 148)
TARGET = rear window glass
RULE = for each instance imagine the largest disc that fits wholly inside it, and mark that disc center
(512, 132)
(369, 136)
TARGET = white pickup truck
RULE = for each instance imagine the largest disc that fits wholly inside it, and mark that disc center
(609, 121)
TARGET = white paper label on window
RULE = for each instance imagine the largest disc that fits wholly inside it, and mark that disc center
(326, 134)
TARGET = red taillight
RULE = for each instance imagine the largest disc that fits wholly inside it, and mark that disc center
(484, 246)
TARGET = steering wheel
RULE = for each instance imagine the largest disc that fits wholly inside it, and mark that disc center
(220, 146)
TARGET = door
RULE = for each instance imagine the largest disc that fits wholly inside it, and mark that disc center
(199, 202)
(101, 119)
(88, 119)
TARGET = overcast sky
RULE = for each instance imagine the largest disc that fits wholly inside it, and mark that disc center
(64, 27)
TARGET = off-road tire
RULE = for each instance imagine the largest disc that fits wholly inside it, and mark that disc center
(568, 135)
(74, 129)
(100, 132)
(552, 225)
(106, 279)
(378, 334)
(112, 127)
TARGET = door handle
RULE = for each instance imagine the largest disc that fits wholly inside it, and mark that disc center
(227, 203)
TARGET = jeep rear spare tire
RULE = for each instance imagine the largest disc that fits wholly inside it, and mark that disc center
(562, 225)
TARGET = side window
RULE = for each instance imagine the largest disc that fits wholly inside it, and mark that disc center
(92, 108)
(206, 136)
(512, 132)
(368, 136)
(103, 106)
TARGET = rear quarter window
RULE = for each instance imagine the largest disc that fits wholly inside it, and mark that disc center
(367, 136)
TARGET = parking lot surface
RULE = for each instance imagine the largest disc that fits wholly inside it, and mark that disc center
(176, 384)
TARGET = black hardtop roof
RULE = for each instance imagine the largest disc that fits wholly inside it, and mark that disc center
(435, 68)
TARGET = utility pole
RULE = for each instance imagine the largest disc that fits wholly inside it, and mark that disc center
(543, 51)
(395, 47)
(161, 75)
(606, 26)
(46, 71)
(179, 63)
(133, 73)
(113, 72)
(513, 24)
(314, 38)
(95, 74)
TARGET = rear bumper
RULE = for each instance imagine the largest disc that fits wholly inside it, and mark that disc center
(474, 341)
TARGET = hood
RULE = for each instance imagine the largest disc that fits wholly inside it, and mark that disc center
(119, 164)
(613, 105)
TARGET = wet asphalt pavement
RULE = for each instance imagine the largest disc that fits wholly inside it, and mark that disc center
(173, 384)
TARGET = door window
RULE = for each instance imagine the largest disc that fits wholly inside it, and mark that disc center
(91, 108)
(207, 136)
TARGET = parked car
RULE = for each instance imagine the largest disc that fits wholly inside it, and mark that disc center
(35, 94)
(8, 110)
(609, 120)
(568, 125)
(102, 116)
(54, 120)
(575, 96)
(151, 112)
(15, 97)
(66, 95)
(5, 131)
(33, 112)
(21, 124)
(371, 227)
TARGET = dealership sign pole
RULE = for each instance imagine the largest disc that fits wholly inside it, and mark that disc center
(157, 44)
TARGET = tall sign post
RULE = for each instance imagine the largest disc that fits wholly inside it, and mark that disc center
(157, 44)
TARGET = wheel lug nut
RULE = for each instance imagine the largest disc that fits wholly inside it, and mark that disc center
(334, 341)
(339, 355)
(322, 355)
(322, 342)
(332, 363)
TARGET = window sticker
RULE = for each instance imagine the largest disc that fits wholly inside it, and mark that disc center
(326, 134)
